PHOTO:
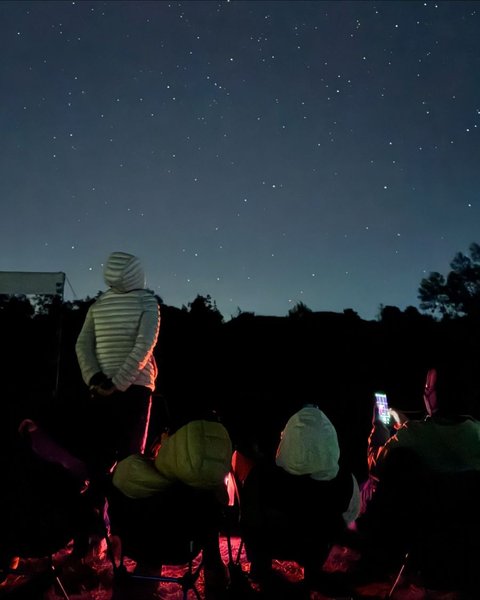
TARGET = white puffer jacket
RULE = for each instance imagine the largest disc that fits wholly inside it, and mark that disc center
(121, 328)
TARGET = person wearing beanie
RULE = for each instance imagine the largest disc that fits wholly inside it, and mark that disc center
(115, 354)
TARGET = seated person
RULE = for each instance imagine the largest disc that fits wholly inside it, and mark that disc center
(424, 467)
(43, 494)
(186, 481)
(294, 509)
(446, 440)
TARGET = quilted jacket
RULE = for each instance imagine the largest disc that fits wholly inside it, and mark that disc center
(121, 328)
(199, 455)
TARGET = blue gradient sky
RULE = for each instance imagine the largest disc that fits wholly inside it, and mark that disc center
(264, 153)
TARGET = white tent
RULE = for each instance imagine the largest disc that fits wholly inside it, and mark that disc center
(18, 282)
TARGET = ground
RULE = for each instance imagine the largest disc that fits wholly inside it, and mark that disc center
(94, 582)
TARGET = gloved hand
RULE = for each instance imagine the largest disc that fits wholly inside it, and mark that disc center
(107, 388)
(101, 385)
(97, 379)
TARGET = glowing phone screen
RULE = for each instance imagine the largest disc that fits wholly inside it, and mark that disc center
(382, 406)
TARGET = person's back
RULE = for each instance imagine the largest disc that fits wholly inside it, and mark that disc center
(447, 440)
(294, 516)
(443, 443)
(297, 506)
(121, 328)
(422, 472)
(115, 351)
(162, 502)
(43, 504)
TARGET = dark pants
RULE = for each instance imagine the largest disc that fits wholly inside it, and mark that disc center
(118, 426)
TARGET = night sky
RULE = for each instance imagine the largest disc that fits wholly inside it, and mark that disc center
(265, 153)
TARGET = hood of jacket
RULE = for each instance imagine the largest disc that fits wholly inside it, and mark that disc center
(309, 445)
(123, 272)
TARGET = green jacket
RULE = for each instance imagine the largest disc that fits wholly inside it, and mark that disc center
(443, 444)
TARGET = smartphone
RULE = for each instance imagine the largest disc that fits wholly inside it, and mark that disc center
(382, 407)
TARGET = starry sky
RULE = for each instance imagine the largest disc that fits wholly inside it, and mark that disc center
(265, 153)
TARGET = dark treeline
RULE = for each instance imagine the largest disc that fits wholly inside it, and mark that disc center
(254, 370)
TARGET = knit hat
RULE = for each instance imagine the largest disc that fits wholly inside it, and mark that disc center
(123, 272)
(309, 445)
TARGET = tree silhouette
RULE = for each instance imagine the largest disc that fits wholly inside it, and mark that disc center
(16, 307)
(299, 311)
(203, 308)
(457, 294)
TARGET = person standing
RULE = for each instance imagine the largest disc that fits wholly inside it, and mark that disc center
(115, 354)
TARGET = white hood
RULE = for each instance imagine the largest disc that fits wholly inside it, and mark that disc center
(309, 445)
(123, 272)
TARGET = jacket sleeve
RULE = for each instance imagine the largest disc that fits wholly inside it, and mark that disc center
(404, 439)
(85, 349)
(353, 509)
(379, 436)
(142, 350)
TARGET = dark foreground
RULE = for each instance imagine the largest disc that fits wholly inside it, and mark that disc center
(94, 581)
